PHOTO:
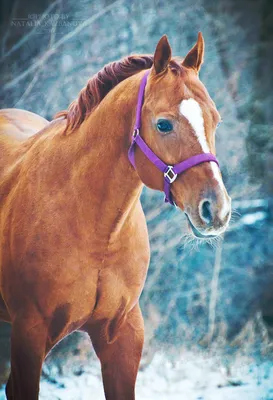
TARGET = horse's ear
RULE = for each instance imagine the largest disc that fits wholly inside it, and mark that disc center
(195, 56)
(162, 56)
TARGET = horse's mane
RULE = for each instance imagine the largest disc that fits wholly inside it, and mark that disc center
(101, 84)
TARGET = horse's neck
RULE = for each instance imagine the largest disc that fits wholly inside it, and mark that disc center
(104, 168)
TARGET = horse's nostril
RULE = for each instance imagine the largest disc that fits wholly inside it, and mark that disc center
(205, 212)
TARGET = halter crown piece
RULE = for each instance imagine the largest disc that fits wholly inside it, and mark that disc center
(170, 172)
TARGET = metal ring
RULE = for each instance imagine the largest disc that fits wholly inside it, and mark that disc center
(135, 133)
(171, 178)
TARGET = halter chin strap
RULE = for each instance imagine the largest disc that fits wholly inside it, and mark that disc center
(170, 172)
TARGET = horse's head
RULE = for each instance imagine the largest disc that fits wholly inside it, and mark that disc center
(179, 120)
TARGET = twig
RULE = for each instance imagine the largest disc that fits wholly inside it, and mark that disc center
(214, 291)
(53, 32)
(20, 102)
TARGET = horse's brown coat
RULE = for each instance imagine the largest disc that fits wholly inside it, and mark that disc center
(74, 243)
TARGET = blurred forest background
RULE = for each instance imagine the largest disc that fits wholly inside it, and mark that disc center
(215, 297)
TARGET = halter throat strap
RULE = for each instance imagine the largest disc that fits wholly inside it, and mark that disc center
(170, 172)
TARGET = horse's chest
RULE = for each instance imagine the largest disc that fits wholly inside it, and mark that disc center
(122, 276)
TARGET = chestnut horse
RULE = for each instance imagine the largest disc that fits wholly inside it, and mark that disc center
(74, 243)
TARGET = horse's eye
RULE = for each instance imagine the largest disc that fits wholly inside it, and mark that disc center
(164, 126)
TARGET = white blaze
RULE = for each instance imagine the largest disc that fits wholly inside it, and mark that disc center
(191, 110)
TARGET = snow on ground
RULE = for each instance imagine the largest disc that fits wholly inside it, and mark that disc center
(252, 218)
(195, 377)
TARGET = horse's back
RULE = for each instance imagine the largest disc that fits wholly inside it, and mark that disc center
(20, 124)
(16, 126)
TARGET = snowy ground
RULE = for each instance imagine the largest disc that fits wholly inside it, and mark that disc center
(194, 378)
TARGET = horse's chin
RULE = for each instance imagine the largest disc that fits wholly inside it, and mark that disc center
(198, 234)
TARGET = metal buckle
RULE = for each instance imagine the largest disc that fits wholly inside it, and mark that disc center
(170, 174)
(135, 133)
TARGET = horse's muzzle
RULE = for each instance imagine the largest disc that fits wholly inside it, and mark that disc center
(212, 218)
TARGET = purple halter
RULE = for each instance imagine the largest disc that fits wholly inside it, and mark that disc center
(170, 172)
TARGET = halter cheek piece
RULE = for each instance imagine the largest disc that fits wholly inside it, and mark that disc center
(170, 172)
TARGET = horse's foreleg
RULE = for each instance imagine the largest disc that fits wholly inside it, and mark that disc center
(120, 359)
(28, 349)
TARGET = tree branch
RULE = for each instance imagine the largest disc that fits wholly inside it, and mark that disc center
(59, 43)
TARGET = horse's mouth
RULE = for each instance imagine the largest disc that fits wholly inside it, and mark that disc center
(196, 233)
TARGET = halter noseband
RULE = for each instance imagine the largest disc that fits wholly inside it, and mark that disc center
(170, 172)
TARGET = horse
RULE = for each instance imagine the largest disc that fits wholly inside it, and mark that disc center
(74, 240)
